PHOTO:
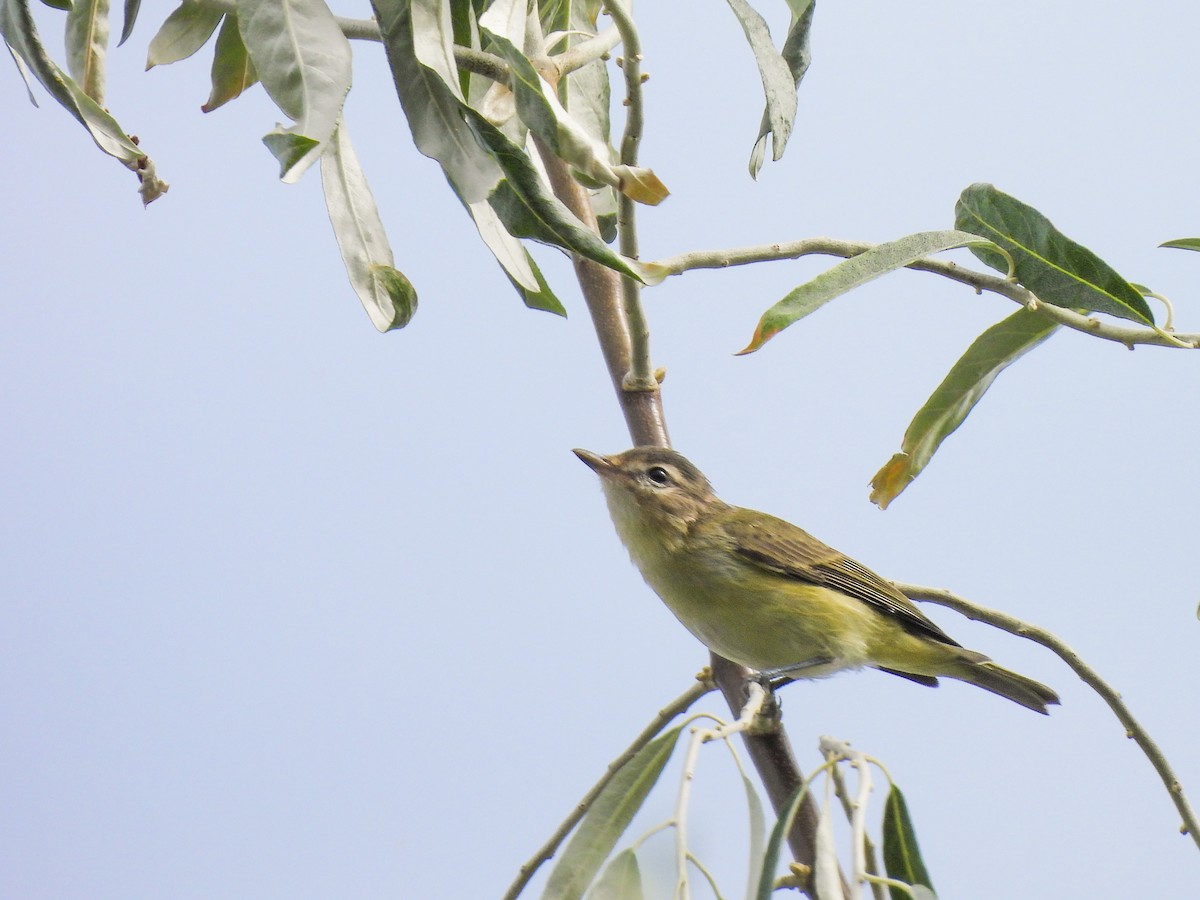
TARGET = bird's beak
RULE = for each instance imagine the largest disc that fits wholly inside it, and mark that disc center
(601, 465)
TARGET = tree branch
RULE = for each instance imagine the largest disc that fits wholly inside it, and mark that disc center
(641, 374)
(770, 752)
(1129, 336)
(1133, 729)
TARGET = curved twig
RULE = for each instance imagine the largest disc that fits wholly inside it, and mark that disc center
(740, 256)
(1133, 729)
(547, 850)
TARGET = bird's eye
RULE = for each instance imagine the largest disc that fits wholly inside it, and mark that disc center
(658, 475)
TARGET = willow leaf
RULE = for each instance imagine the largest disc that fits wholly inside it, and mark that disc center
(303, 61)
(607, 819)
(87, 45)
(1056, 268)
(963, 387)
(901, 855)
(852, 273)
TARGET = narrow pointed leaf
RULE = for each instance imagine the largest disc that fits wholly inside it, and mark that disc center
(19, 31)
(87, 45)
(386, 294)
(433, 109)
(1183, 244)
(518, 265)
(1060, 271)
(798, 56)
(901, 855)
(608, 818)
(539, 109)
(775, 843)
(23, 71)
(132, 7)
(185, 31)
(303, 61)
(964, 386)
(232, 70)
(778, 85)
(63, 5)
(854, 272)
(757, 835)
(620, 880)
(529, 209)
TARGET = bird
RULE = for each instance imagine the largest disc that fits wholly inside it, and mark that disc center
(766, 594)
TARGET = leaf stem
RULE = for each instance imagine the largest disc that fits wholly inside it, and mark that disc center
(1087, 674)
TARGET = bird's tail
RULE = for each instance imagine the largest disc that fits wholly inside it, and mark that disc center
(1017, 688)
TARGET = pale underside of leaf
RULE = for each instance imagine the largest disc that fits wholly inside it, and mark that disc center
(433, 110)
(360, 235)
(304, 62)
(20, 32)
(852, 273)
(798, 57)
(607, 819)
(87, 45)
(779, 87)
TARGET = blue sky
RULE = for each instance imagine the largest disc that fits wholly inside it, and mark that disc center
(289, 608)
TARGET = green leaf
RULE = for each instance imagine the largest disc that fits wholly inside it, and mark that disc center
(87, 45)
(607, 819)
(620, 880)
(518, 265)
(528, 208)
(386, 294)
(57, 4)
(232, 70)
(303, 61)
(783, 825)
(289, 148)
(798, 56)
(854, 272)
(1182, 244)
(757, 835)
(132, 7)
(963, 387)
(434, 108)
(1060, 271)
(19, 31)
(778, 84)
(901, 855)
(539, 109)
(185, 31)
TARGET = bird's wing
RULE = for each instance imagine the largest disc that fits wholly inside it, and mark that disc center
(794, 553)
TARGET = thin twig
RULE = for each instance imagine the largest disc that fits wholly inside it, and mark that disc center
(755, 701)
(641, 372)
(1129, 336)
(547, 850)
(854, 811)
(1133, 729)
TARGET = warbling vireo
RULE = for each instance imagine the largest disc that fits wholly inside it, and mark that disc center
(763, 593)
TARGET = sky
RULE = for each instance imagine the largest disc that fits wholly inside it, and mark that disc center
(289, 608)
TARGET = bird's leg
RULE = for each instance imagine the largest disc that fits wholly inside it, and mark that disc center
(779, 677)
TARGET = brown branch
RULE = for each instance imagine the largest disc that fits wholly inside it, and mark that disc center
(770, 752)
